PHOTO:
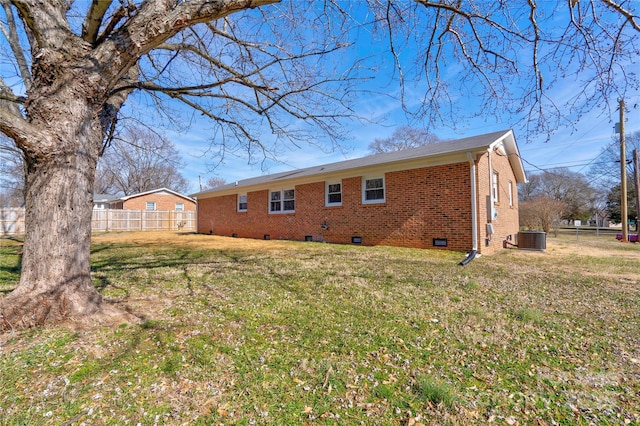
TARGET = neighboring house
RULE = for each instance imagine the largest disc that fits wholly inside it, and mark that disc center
(457, 195)
(103, 201)
(159, 199)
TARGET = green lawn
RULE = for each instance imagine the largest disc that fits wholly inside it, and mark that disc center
(289, 333)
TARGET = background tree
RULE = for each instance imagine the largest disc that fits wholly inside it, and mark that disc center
(570, 188)
(256, 69)
(606, 172)
(541, 213)
(598, 206)
(606, 168)
(138, 161)
(613, 204)
(532, 188)
(12, 174)
(403, 137)
(214, 182)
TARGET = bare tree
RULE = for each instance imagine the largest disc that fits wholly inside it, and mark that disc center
(403, 137)
(606, 167)
(531, 188)
(138, 161)
(12, 174)
(258, 69)
(541, 213)
(571, 188)
(507, 57)
(214, 182)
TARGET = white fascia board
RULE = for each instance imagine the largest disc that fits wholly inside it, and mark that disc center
(508, 142)
(377, 169)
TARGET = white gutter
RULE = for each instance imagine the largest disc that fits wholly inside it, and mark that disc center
(474, 213)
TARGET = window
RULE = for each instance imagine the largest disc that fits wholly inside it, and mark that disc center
(494, 187)
(510, 194)
(373, 190)
(289, 200)
(334, 194)
(179, 207)
(242, 202)
(151, 205)
(282, 201)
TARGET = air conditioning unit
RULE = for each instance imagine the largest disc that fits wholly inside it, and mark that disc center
(532, 240)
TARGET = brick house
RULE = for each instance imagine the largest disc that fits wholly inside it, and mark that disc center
(162, 199)
(456, 195)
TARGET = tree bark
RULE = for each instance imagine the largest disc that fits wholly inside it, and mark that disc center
(55, 281)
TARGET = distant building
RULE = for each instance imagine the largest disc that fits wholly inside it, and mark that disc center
(103, 201)
(162, 199)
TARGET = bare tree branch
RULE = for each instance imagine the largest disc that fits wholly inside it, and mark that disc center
(10, 32)
(93, 20)
(631, 18)
(50, 32)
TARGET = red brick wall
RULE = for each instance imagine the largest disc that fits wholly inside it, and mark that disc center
(421, 204)
(164, 202)
(506, 224)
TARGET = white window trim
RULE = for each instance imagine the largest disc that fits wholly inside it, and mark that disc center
(326, 193)
(181, 207)
(241, 210)
(282, 201)
(364, 187)
(510, 194)
(147, 203)
(495, 186)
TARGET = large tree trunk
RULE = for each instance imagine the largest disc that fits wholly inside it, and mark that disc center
(55, 282)
(67, 104)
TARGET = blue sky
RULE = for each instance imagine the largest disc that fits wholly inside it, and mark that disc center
(568, 147)
(574, 145)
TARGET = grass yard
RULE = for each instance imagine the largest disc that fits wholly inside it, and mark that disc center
(268, 332)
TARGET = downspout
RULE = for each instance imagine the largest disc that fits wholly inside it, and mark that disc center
(197, 205)
(492, 198)
(474, 213)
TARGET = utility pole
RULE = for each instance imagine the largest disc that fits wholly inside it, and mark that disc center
(623, 177)
(636, 172)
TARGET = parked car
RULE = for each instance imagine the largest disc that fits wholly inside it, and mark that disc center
(632, 238)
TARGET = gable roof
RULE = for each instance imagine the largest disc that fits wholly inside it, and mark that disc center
(104, 198)
(447, 152)
(154, 191)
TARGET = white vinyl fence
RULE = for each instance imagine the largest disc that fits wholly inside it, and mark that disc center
(12, 221)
